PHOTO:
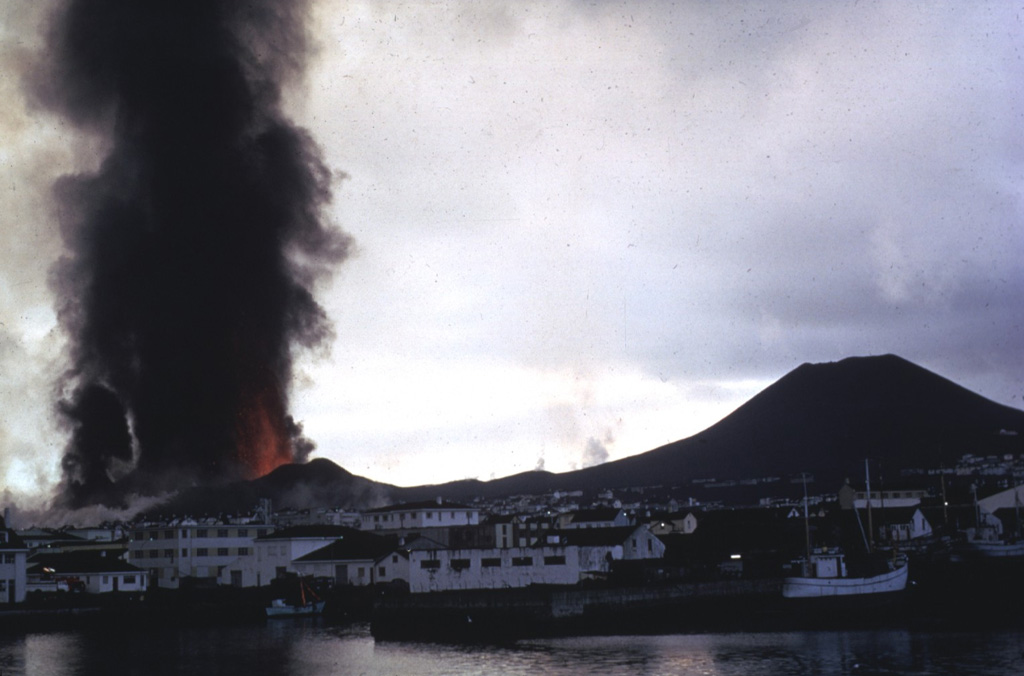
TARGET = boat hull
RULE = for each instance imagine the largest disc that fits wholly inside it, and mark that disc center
(296, 611)
(994, 549)
(816, 587)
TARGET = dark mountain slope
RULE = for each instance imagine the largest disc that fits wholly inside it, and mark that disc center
(318, 483)
(826, 419)
(820, 418)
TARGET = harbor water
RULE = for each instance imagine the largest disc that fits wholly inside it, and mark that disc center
(312, 648)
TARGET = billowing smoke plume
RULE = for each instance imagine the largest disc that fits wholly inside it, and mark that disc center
(193, 250)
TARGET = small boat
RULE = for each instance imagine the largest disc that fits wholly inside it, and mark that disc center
(309, 604)
(985, 542)
(824, 574)
(278, 608)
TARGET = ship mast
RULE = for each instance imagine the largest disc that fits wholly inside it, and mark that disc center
(871, 529)
(807, 521)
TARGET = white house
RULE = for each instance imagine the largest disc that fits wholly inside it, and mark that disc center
(273, 554)
(351, 559)
(90, 572)
(601, 517)
(13, 556)
(674, 523)
(898, 524)
(419, 515)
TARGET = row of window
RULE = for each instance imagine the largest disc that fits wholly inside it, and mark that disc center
(6, 558)
(172, 533)
(377, 518)
(464, 564)
(199, 551)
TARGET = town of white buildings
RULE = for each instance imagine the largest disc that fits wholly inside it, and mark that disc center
(439, 545)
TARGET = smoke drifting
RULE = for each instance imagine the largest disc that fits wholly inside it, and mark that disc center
(193, 251)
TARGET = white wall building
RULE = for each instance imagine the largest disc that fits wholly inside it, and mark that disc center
(13, 556)
(95, 573)
(420, 515)
(600, 517)
(173, 552)
(357, 558)
(274, 554)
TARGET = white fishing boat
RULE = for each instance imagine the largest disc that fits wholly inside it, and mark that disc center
(824, 574)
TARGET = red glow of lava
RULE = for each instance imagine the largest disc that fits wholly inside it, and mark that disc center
(262, 437)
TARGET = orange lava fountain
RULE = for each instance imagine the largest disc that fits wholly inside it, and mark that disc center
(263, 443)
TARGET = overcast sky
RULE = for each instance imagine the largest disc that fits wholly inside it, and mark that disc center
(586, 229)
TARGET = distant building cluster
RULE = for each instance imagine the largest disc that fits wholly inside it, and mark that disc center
(561, 538)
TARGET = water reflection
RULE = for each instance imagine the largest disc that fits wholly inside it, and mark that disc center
(312, 649)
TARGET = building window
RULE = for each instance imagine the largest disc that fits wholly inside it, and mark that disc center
(168, 534)
(169, 553)
(129, 579)
(153, 553)
(360, 572)
(554, 560)
(202, 551)
(650, 546)
(184, 553)
(459, 564)
(243, 532)
(154, 535)
(394, 558)
(430, 515)
(430, 564)
(201, 533)
(106, 579)
(139, 535)
(381, 571)
(490, 563)
(222, 551)
(243, 551)
(522, 560)
(260, 532)
(184, 532)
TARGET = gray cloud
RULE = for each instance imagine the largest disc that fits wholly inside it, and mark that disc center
(684, 197)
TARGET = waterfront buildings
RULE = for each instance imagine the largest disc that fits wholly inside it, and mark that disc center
(13, 557)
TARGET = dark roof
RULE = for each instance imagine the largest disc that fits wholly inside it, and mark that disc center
(597, 514)
(81, 562)
(54, 536)
(10, 540)
(590, 537)
(423, 504)
(308, 531)
(355, 545)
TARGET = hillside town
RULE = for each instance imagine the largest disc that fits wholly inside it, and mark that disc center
(561, 539)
